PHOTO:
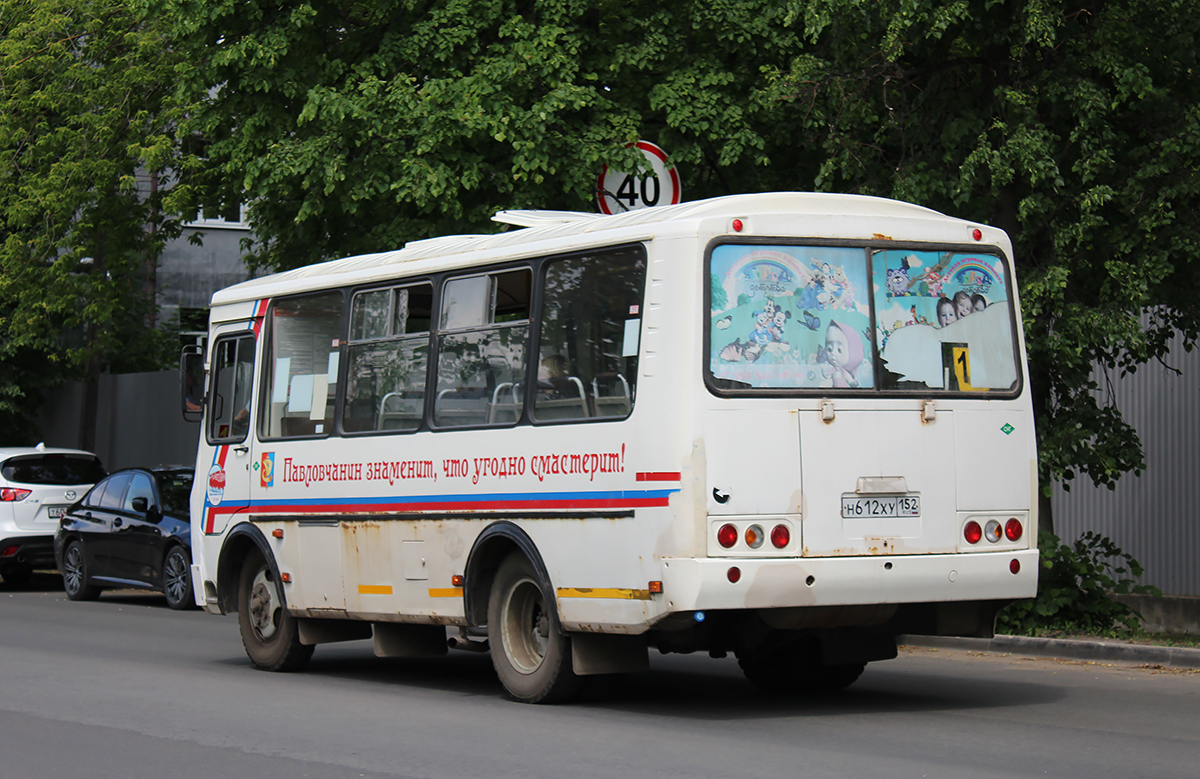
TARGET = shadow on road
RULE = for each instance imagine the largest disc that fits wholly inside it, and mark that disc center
(701, 688)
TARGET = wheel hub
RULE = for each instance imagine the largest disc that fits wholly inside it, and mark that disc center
(264, 604)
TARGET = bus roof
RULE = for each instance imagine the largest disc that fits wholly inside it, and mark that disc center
(561, 231)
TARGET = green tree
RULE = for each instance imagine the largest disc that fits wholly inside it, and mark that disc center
(1076, 128)
(352, 126)
(83, 139)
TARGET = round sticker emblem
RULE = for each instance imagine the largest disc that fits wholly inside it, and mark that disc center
(216, 485)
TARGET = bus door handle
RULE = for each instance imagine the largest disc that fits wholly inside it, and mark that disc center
(241, 449)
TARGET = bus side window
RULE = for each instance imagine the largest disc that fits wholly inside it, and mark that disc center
(302, 366)
(388, 357)
(588, 346)
(484, 324)
(232, 379)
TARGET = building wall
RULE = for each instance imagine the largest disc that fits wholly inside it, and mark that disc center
(1152, 517)
(188, 274)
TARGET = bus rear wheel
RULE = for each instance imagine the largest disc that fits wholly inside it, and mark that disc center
(797, 668)
(531, 654)
(269, 632)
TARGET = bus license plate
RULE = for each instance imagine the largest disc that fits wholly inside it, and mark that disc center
(885, 506)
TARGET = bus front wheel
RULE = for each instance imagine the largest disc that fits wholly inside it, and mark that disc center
(531, 654)
(269, 632)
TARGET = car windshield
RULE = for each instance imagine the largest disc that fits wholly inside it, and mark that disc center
(53, 469)
(175, 489)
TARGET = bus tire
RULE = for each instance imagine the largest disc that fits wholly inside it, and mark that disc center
(269, 632)
(531, 654)
(797, 668)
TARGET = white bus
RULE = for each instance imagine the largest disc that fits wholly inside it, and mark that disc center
(785, 426)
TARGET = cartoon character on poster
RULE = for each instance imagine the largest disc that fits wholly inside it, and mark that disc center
(949, 299)
(771, 308)
(843, 353)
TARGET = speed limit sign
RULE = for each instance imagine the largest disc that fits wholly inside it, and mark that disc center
(618, 191)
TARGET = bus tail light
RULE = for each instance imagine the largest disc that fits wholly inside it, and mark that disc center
(992, 531)
(734, 574)
(727, 536)
(1013, 530)
(780, 536)
(755, 536)
(1015, 566)
(973, 532)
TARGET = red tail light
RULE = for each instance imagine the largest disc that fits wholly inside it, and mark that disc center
(973, 532)
(1015, 566)
(727, 536)
(734, 574)
(1013, 530)
(780, 536)
(11, 494)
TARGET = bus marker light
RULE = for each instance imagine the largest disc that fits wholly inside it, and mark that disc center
(738, 226)
(780, 536)
(457, 580)
(973, 532)
(1013, 529)
(286, 578)
(992, 531)
(277, 532)
(755, 536)
(655, 588)
(1015, 566)
(727, 536)
(977, 234)
(734, 574)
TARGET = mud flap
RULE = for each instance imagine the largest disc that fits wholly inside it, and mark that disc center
(601, 653)
(395, 640)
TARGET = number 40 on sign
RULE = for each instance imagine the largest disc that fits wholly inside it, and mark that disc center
(619, 191)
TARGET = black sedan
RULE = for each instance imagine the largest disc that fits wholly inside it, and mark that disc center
(130, 530)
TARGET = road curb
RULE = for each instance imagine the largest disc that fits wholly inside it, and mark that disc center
(1096, 651)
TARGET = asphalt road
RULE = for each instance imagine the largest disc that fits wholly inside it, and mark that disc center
(126, 688)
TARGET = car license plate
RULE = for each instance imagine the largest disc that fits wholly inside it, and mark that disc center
(884, 506)
(56, 512)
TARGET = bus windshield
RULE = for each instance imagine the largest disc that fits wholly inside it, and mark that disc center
(854, 318)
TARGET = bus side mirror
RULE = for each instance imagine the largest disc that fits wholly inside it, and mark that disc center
(191, 383)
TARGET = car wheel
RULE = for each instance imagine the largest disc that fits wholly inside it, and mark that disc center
(177, 579)
(269, 632)
(75, 575)
(532, 656)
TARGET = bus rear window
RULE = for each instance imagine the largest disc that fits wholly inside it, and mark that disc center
(847, 318)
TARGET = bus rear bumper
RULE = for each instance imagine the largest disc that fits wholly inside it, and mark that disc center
(705, 583)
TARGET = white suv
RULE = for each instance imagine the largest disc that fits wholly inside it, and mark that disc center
(36, 487)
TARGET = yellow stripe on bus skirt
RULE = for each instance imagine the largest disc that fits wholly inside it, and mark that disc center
(615, 593)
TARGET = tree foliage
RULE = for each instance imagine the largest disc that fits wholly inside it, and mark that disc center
(82, 86)
(1076, 128)
(352, 126)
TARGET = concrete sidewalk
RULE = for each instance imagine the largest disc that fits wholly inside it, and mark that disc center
(1095, 651)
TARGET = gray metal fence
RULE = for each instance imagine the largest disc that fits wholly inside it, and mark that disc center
(137, 421)
(1154, 517)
